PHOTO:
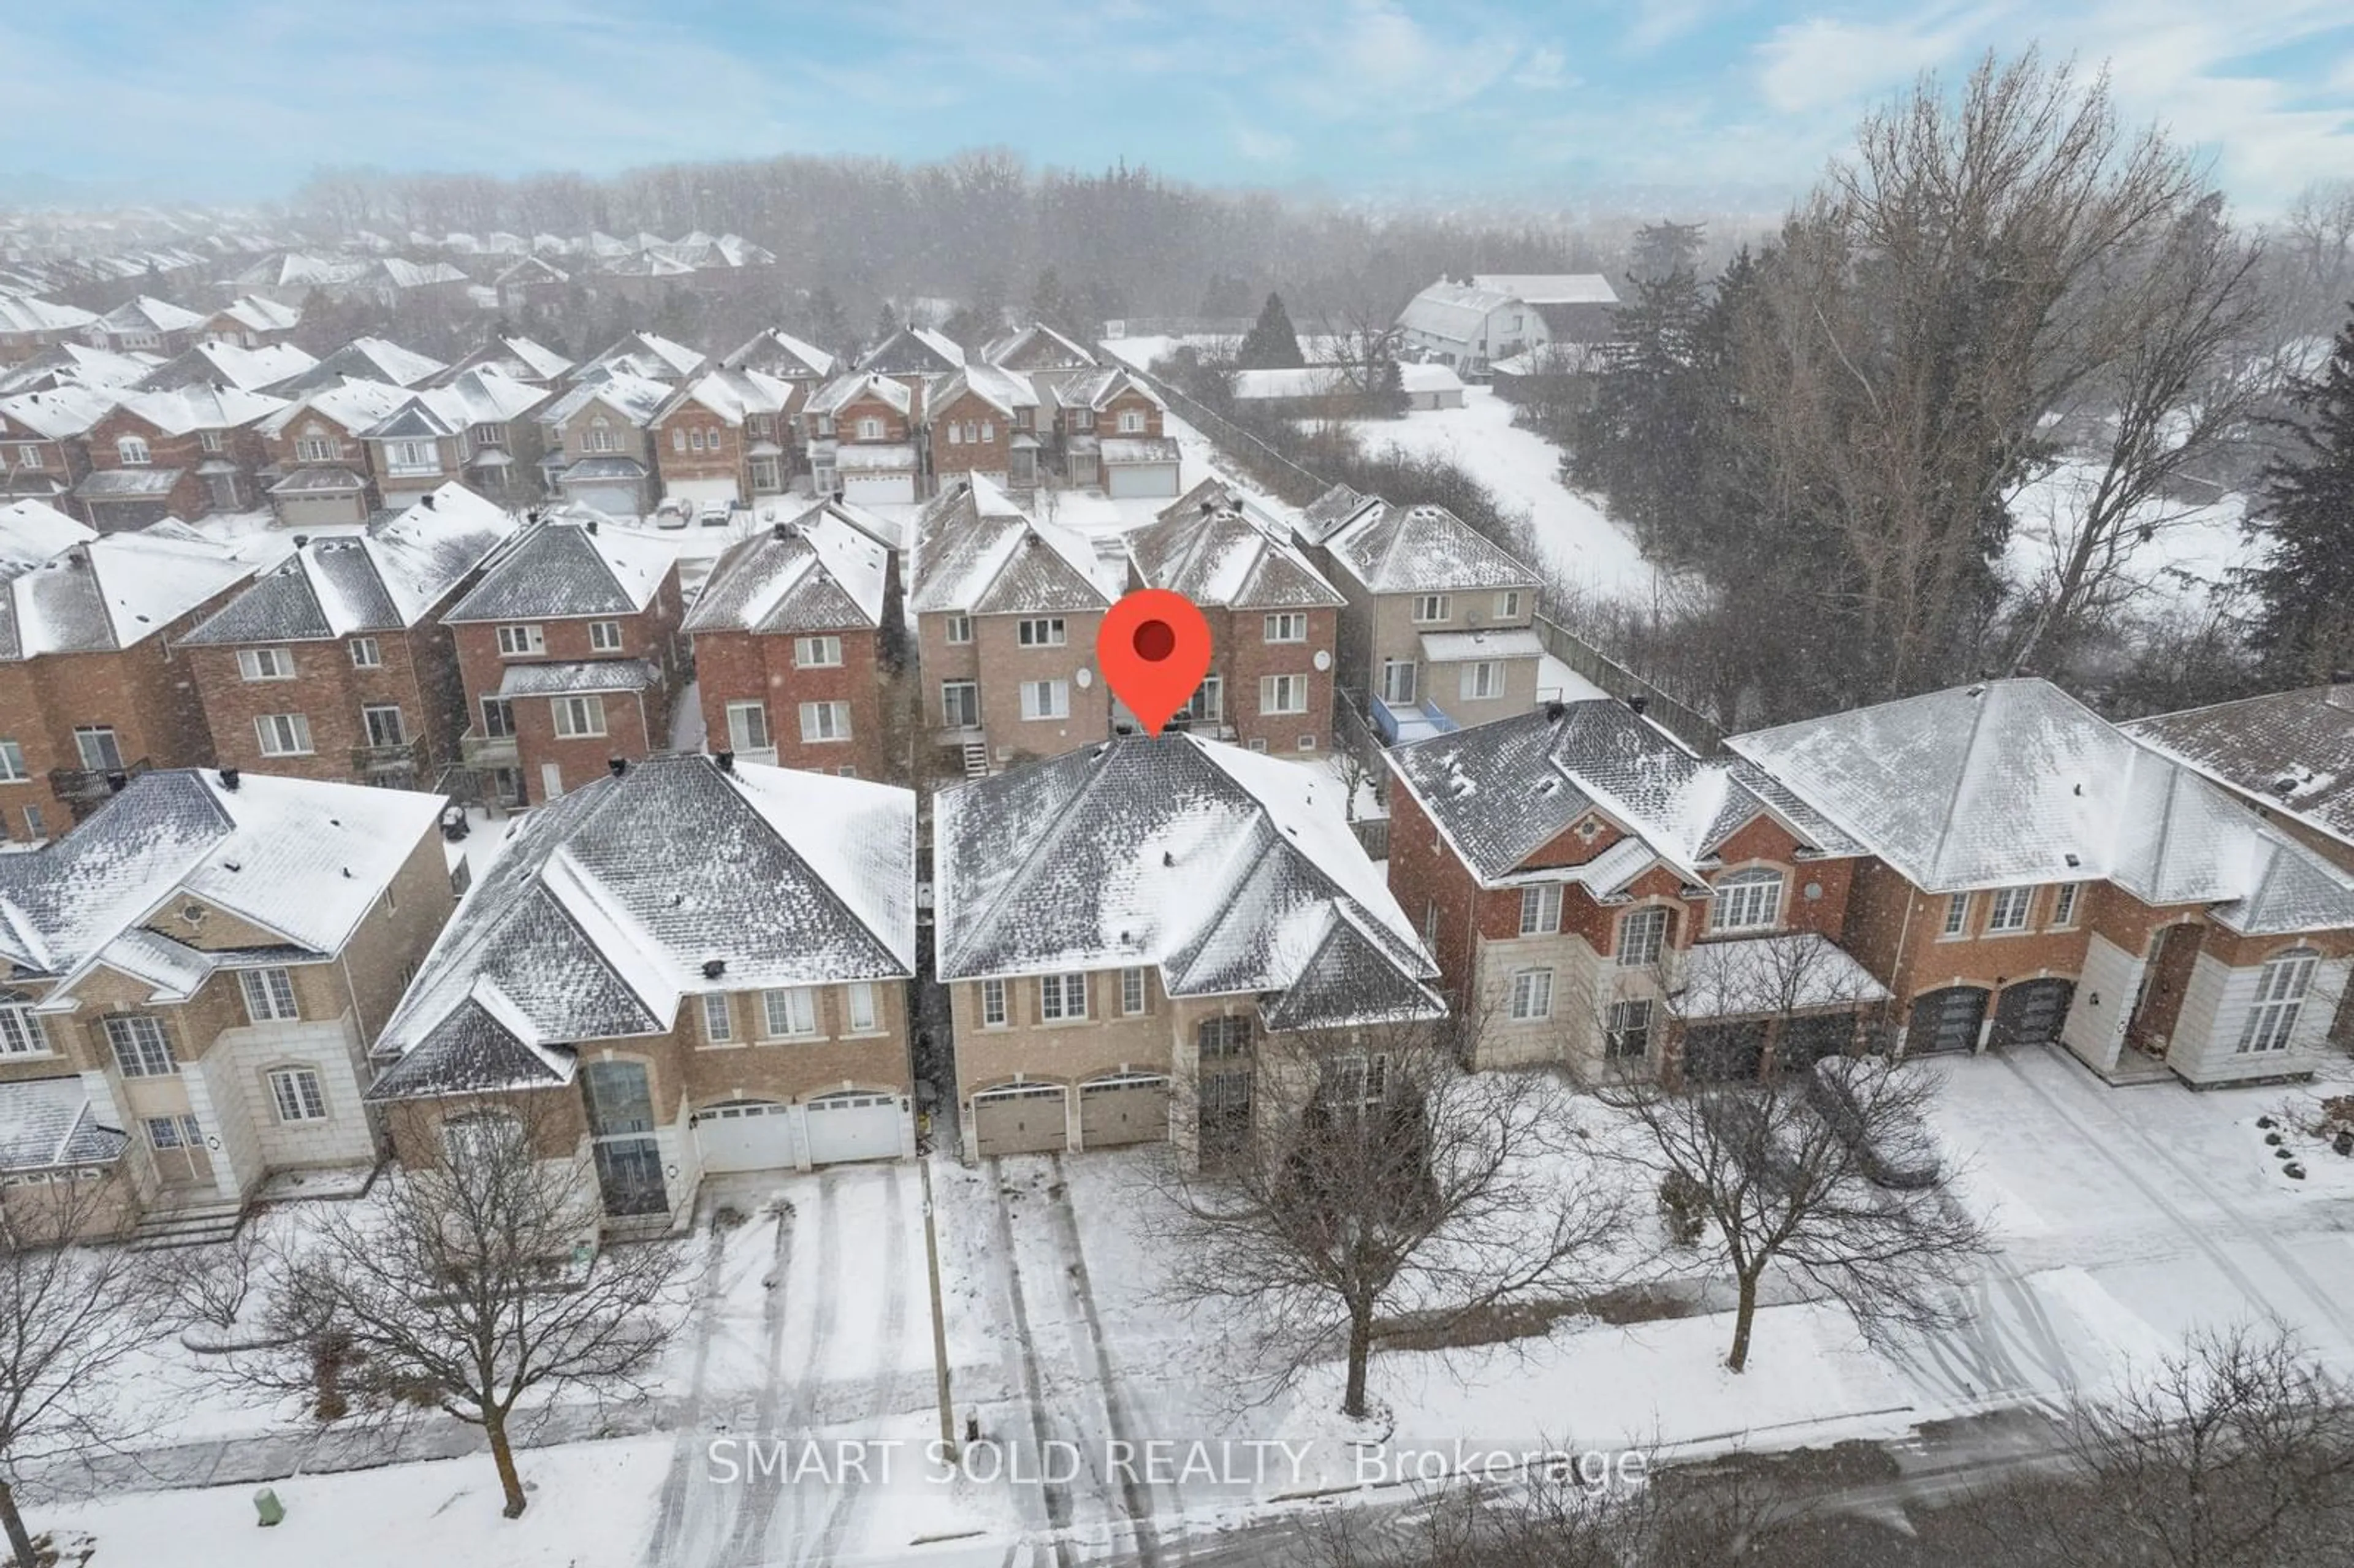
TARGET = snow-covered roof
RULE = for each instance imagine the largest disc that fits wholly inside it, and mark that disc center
(607, 904)
(1095, 389)
(481, 396)
(1550, 288)
(648, 356)
(384, 579)
(636, 399)
(976, 553)
(363, 359)
(561, 677)
(1208, 548)
(1488, 642)
(352, 404)
(561, 567)
(22, 312)
(914, 350)
(218, 360)
(1771, 975)
(298, 857)
(536, 357)
(779, 353)
(734, 393)
(60, 412)
(51, 1122)
(32, 531)
(258, 314)
(111, 592)
(1118, 452)
(2293, 751)
(1457, 312)
(1036, 347)
(1421, 549)
(76, 364)
(844, 391)
(1001, 389)
(2012, 783)
(1228, 872)
(148, 313)
(817, 573)
(201, 407)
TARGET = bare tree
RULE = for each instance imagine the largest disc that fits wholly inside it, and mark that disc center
(469, 1282)
(1379, 1175)
(1828, 1174)
(72, 1313)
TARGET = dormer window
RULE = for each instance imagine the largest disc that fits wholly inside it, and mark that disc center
(132, 453)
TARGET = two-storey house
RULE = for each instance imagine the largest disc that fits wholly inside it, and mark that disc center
(322, 464)
(476, 429)
(251, 321)
(333, 664)
(717, 439)
(1126, 928)
(1006, 608)
(645, 356)
(983, 421)
(571, 654)
(182, 453)
(44, 439)
(148, 325)
(795, 634)
(693, 966)
(190, 979)
(777, 353)
(1109, 426)
(1600, 898)
(91, 690)
(30, 326)
(915, 356)
(596, 448)
(363, 359)
(517, 358)
(1273, 620)
(1036, 349)
(861, 433)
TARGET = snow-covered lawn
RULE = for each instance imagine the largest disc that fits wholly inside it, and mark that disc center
(2192, 546)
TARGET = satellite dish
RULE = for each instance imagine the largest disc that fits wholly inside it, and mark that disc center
(1324, 660)
(1086, 677)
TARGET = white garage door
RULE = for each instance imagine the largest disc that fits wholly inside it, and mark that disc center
(1143, 478)
(854, 1126)
(874, 487)
(612, 500)
(745, 1135)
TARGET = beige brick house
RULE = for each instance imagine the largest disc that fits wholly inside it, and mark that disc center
(322, 469)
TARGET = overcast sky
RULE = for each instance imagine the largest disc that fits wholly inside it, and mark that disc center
(235, 98)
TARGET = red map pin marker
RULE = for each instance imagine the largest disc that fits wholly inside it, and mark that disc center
(1154, 647)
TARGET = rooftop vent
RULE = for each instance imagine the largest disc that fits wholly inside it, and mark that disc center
(2074, 862)
(1167, 858)
(1209, 508)
(301, 540)
(426, 501)
(713, 968)
(1556, 711)
(726, 760)
(1637, 704)
(592, 524)
(620, 765)
(229, 780)
(782, 530)
(116, 783)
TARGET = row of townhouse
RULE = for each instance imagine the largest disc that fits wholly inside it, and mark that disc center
(1986, 867)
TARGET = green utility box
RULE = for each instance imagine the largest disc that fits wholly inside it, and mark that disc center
(266, 1504)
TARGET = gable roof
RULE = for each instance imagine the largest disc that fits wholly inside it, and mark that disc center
(1094, 388)
(60, 412)
(1208, 548)
(1456, 312)
(637, 398)
(111, 592)
(646, 355)
(779, 353)
(1229, 873)
(817, 573)
(1421, 549)
(1001, 389)
(148, 313)
(23, 313)
(363, 359)
(32, 531)
(354, 406)
(1550, 288)
(733, 394)
(384, 579)
(202, 407)
(219, 361)
(845, 390)
(599, 916)
(76, 364)
(2293, 751)
(481, 396)
(2014, 782)
(914, 350)
(1036, 347)
(561, 567)
(253, 312)
(976, 553)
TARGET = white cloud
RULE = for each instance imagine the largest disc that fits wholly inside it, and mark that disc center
(1542, 70)
(1820, 62)
(1660, 22)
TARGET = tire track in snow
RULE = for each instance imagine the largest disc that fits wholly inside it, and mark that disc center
(678, 1483)
(788, 1400)
(890, 1379)
(1034, 1382)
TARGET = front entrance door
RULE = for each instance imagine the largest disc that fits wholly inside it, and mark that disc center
(2165, 973)
(178, 1144)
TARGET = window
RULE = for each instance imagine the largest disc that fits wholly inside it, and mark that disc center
(412, 456)
(1304, 743)
(498, 718)
(132, 453)
(988, 432)
(1291, 626)
(765, 475)
(296, 1094)
(1540, 909)
(29, 456)
(1062, 996)
(268, 995)
(993, 1003)
(366, 654)
(817, 652)
(1083, 419)
(789, 1011)
(1045, 699)
(605, 636)
(1481, 678)
(520, 642)
(1041, 633)
(579, 715)
(174, 1132)
(140, 1051)
(959, 629)
(1507, 605)
(283, 735)
(1641, 933)
(1223, 1039)
(1209, 701)
(747, 727)
(1283, 694)
(824, 722)
(678, 438)
(265, 664)
(956, 434)
(1957, 914)
(959, 704)
(20, 1031)
(2280, 996)
(1628, 1036)
(2009, 910)
(1432, 607)
(859, 1007)
(1748, 901)
(96, 745)
(1533, 993)
(489, 435)
(870, 429)
(1132, 991)
(12, 763)
(316, 448)
(211, 441)
(2063, 903)
(1354, 1081)
(599, 439)
(34, 827)
(719, 1022)
(1397, 681)
(384, 725)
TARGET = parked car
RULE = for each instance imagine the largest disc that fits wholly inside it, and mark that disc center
(718, 515)
(671, 514)
(1903, 1154)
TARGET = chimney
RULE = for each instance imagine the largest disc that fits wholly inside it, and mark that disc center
(301, 540)
(620, 765)
(592, 524)
(116, 783)
(782, 530)
(427, 502)
(229, 780)
(726, 760)
(713, 968)
(1555, 710)
(1637, 704)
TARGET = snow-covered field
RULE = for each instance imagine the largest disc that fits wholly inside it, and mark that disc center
(2193, 548)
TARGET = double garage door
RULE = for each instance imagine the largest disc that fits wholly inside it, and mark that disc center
(870, 488)
(1140, 479)
(758, 1135)
(1032, 1118)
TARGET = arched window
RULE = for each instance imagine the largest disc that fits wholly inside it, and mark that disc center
(131, 452)
(2281, 986)
(1748, 901)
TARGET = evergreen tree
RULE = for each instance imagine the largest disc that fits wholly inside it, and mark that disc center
(1638, 444)
(2303, 628)
(1664, 248)
(1272, 345)
(886, 322)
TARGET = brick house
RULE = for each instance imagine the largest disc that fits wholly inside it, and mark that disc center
(476, 429)
(1437, 632)
(795, 634)
(983, 421)
(1126, 987)
(777, 353)
(571, 654)
(1026, 351)
(76, 364)
(647, 357)
(1006, 612)
(333, 664)
(1109, 433)
(718, 442)
(595, 443)
(251, 321)
(44, 439)
(517, 358)
(864, 436)
(182, 453)
(30, 326)
(914, 356)
(216, 362)
(2289, 755)
(193, 979)
(146, 325)
(322, 467)
(91, 689)
(1272, 620)
(759, 1023)
(2037, 876)
(363, 359)
(1602, 899)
